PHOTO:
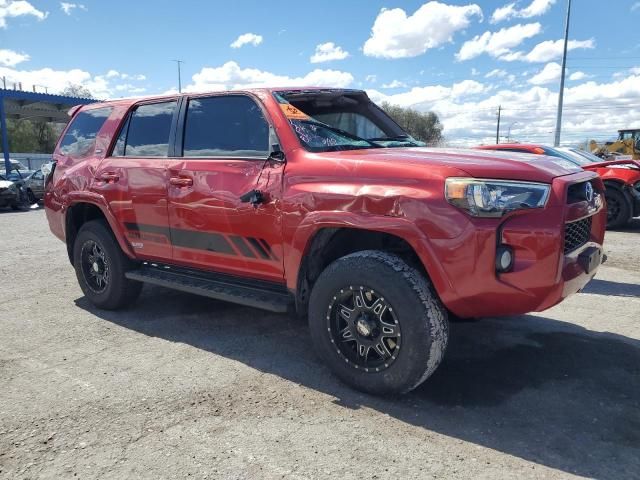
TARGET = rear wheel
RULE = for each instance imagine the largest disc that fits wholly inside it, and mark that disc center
(100, 267)
(618, 211)
(377, 323)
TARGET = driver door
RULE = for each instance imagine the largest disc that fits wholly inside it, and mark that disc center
(224, 144)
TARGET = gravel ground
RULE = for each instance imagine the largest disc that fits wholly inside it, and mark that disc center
(181, 386)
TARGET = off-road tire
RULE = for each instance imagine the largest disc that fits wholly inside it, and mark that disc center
(616, 199)
(419, 313)
(119, 291)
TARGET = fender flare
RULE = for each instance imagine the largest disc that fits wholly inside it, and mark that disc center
(75, 198)
(400, 227)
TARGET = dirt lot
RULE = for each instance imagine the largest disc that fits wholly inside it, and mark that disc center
(182, 386)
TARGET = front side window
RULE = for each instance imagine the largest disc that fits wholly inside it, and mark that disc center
(80, 137)
(146, 131)
(332, 120)
(229, 125)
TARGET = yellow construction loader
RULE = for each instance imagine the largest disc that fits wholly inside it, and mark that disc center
(626, 147)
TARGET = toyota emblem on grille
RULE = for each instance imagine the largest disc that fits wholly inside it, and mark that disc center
(588, 191)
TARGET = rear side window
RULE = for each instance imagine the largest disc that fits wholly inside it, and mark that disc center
(231, 125)
(80, 137)
(145, 133)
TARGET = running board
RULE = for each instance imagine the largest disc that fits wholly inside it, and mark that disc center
(263, 295)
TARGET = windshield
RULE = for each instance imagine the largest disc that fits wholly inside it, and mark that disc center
(590, 157)
(332, 120)
(571, 155)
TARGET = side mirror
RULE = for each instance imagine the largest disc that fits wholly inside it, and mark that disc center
(276, 154)
(46, 169)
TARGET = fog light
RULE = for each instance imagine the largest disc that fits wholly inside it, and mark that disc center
(504, 259)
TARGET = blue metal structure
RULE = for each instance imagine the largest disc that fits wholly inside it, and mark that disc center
(31, 105)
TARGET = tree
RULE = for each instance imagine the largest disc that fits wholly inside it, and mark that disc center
(75, 90)
(424, 126)
(32, 136)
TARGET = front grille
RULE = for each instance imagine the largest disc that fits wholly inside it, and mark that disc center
(576, 234)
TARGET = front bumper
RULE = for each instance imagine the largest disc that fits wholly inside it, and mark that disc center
(8, 198)
(543, 274)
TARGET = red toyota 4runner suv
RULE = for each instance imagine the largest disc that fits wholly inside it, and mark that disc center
(316, 200)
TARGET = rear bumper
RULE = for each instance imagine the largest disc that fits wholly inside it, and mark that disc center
(543, 274)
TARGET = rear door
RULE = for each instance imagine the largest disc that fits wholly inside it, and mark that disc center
(225, 143)
(134, 178)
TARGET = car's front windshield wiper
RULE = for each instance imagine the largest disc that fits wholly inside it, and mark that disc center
(396, 138)
(389, 138)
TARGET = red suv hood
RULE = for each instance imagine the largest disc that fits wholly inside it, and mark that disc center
(476, 163)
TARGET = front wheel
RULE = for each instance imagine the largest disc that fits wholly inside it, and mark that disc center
(101, 266)
(377, 323)
(618, 211)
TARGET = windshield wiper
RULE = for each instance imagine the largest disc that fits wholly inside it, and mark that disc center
(390, 138)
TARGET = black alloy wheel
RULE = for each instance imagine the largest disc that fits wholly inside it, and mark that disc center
(95, 266)
(364, 328)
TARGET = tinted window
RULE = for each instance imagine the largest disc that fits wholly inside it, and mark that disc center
(146, 131)
(225, 126)
(80, 137)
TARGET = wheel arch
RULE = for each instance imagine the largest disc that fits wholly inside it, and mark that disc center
(332, 240)
(614, 183)
(84, 210)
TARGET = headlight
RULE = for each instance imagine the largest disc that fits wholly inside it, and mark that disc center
(494, 198)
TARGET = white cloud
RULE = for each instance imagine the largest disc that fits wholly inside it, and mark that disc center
(18, 8)
(124, 76)
(396, 35)
(535, 9)
(232, 76)
(326, 52)
(498, 72)
(9, 58)
(55, 81)
(68, 8)
(471, 119)
(635, 6)
(246, 39)
(550, 73)
(550, 50)
(497, 44)
(371, 78)
(575, 76)
(394, 84)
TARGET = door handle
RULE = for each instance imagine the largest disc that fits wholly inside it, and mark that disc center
(181, 182)
(109, 177)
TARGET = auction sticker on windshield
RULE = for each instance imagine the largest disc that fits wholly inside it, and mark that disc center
(292, 113)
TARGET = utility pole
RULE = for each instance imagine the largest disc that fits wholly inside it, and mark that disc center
(556, 141)
(498, 129)
(179, 77)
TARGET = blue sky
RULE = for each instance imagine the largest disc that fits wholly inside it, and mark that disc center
(459, 58)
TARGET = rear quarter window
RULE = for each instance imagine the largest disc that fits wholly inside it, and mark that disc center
(80, 138)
